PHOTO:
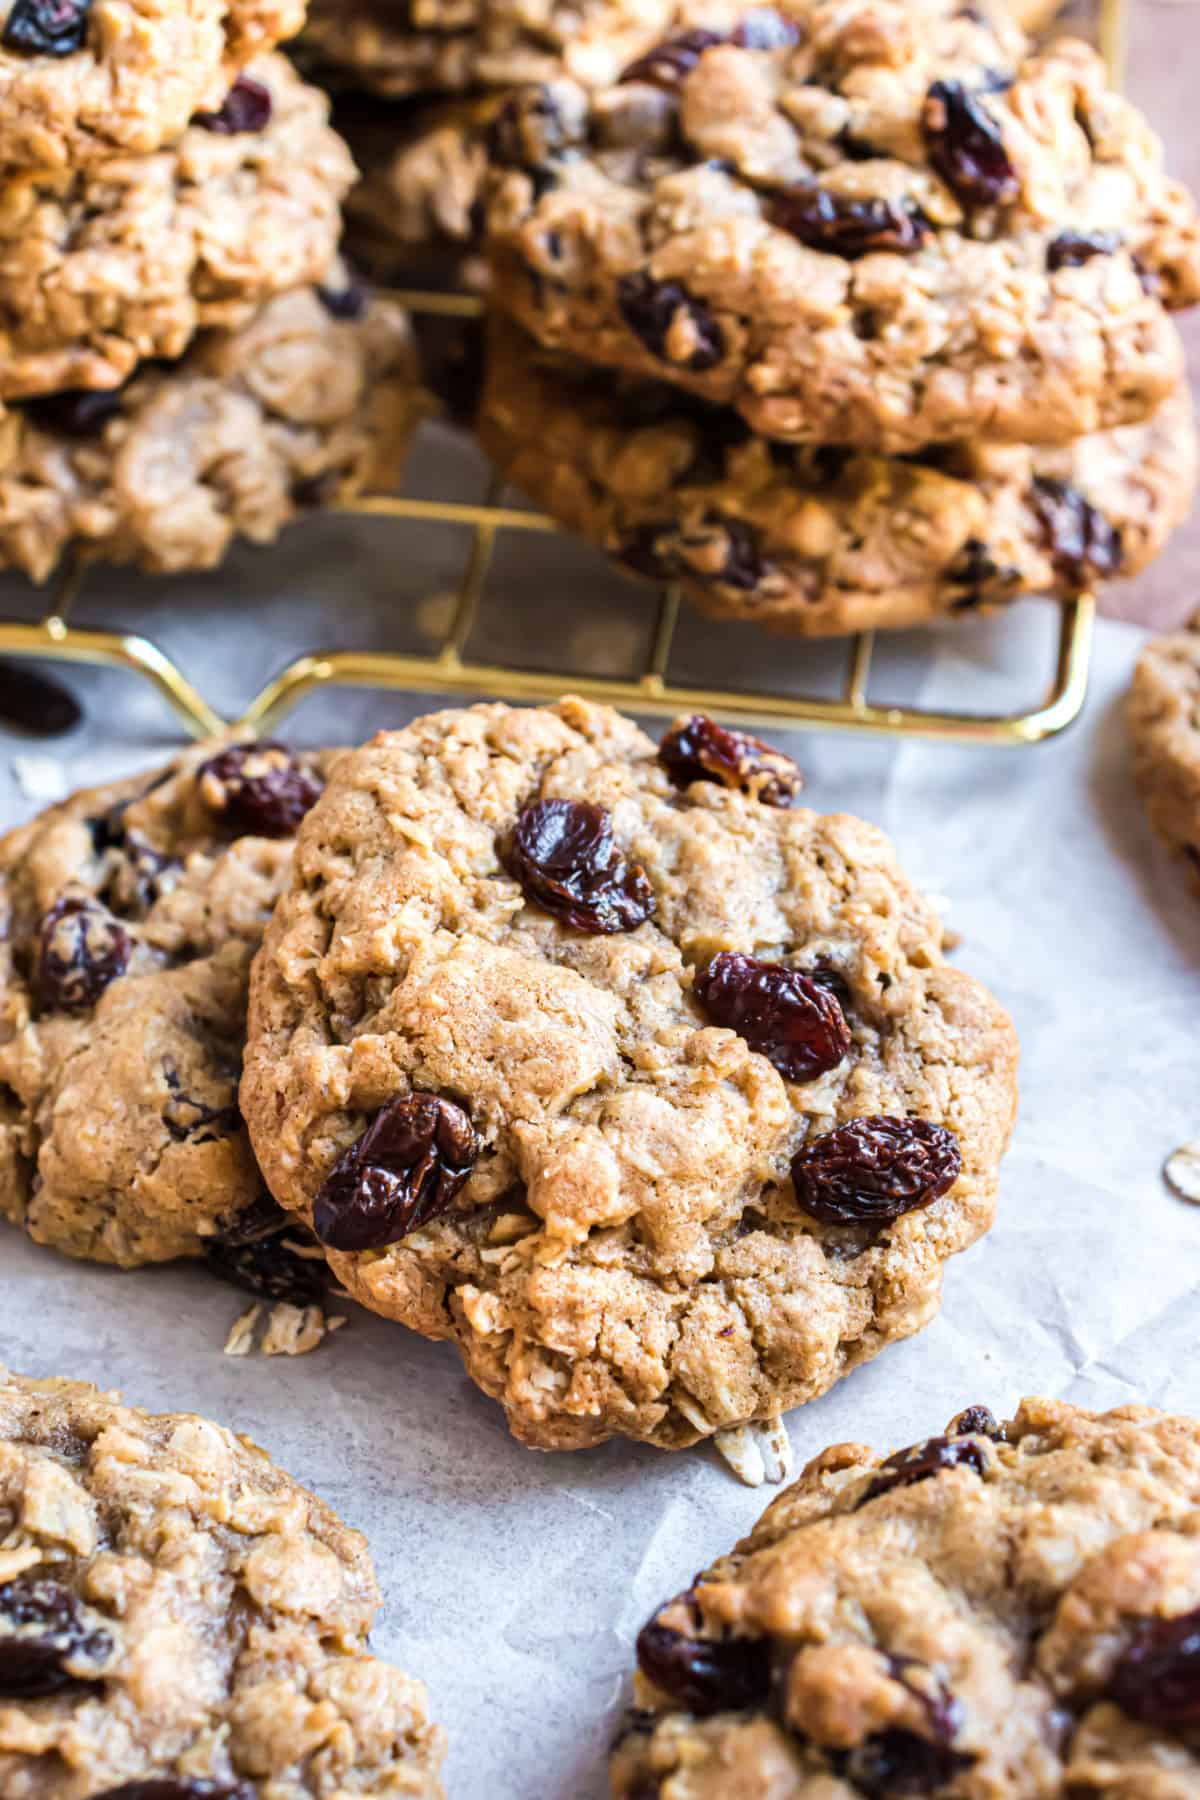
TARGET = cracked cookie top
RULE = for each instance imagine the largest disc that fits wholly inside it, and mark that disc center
(1006, 1610)
(177, 1611)
(130, 915)
(1164, 723)
(81, 79)
(104, 266)
(860, 222)
(650, 1089)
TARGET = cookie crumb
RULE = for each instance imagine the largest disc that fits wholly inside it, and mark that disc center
(288, 1330)
(42, 778)
(757, 1453)
(1182, 1170)
(240, 1341)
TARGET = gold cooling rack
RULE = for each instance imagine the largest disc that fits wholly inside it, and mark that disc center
(450, 670)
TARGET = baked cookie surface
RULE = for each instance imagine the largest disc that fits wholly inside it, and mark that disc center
(815, 540)
(874, 224)
(312, 400)
(655, 1094)
(176, 1611)
(125, 260)
(81, 79)
(1163, 714)
(1005, 1611)
(131, 913)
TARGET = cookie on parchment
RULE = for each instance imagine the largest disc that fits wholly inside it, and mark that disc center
(1006, 1610)
(871, 223)
(178, 1617)
(814, 539)
(122, 261)
(1163, 714)
(313, 400)
(651, 1091)
(81, 80)
(130, 915)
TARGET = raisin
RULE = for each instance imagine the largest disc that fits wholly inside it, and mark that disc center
(563, 854)
(138, 877)
(762, 28)
(650, 309)
(81, 948)
(46, 1643)
(898, 1763)
(871, 1170)
(921, 1461)
(179, 1787)
(46, 27)
(259, 790)
(834, 982)
(263, 1218)
(187, 1118)
(346, 302)
(246, 107)
(977, 570)
(850, 228)
(36, 704)
(1157, 1678)
(965, 146)
(670, 63)
(403, 1172)
(268, 1269)
(1072, 248)
(698, 749)
(976, 1421)
(702, 1674)
(744, 566)
(784, 1015)
(76, 412)
(1083, 544)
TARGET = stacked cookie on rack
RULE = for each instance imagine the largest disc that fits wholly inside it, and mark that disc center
(843, 315)
(182, 358)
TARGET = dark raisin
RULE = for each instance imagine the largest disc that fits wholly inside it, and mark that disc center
(919, 1462)
(269, 1270)
(1071, 248)
(702, 1674)
(671, 62)
(346, 302)
(403, 1172)
(563, 854)
(943, 1711)
(179, 1787)
(46, 1643)
(871, 1170)
(698, 749)
(259, 790)
(850, 228)
(188, 1118)
(1083, 544)
(46, 27)
(892, 1764)
(246, 107)
(834, 982)
(650, 308)
(35, 704)
(784, 1015)
(762, 28)
(966, 147)
(76, 412)
(1157, 1678)
(81, 948)
(977, 571)
(744, 566)
(263, 1218)
(976, 1421)
(138, 878)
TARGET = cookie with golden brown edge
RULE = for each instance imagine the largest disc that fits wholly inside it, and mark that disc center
(1003, 1611)
(815, 540)
(879, 224)
(1163, 713)
(651, 1090)
(180, 1620)
(130, 915)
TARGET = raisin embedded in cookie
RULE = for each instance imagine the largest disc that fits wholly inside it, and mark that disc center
(860, 222)
(180, 1620)
(649, 1089)
(1006, 1610)
(124, 260)
(817, 540)
(1164, 723)
(130, 915)
(310, 402)
(83, 79)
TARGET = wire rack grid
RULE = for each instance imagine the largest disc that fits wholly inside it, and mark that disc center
(450, 670)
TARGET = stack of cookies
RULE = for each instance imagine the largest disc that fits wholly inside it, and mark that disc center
(182, 358)
(842, 314)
